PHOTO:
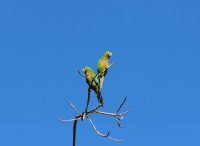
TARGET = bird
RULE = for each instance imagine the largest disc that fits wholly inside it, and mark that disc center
(102, 64)
(90, 74)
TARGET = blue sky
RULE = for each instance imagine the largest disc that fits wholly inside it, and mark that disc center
(155, 46)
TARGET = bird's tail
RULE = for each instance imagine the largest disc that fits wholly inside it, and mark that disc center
(99, 97)
(101, 81)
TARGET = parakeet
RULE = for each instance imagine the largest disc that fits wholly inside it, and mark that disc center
(90, 74)
(102, 64)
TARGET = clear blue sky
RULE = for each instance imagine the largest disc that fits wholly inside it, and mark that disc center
(156, 50)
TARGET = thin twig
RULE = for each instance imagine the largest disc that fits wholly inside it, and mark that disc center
(88, 99)
(94, 112)
(115, 114)
(120, 118)
(111, 114)
(121, 105)
(67, 120)
(73, 107)
(96, 129)
(95, 107)
(81, 74)
(124, 113)
(118, 123)
(115, 139)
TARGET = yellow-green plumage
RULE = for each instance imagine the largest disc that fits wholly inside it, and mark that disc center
(95, 85)
(102, 64)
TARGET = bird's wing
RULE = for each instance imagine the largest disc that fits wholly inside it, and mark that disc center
(95, 80)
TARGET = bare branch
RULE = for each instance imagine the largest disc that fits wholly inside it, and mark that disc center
(96, 129)
(115, 139)
(124, 113)
(118, 123)
(121, 105)
(111, 114)
(94, 112)
(119, 118)
(91, 112)
(115, 114)
(74, 132)
(96, 107)
(81, 74)
(73, 107)
(88, 99)
(67, 120)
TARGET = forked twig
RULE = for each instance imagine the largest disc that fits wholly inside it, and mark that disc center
(94, 111)
(118, 123)
(120, 118)
(115, 114)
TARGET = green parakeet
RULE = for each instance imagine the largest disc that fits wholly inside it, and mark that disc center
(102, 64)
(90, 74)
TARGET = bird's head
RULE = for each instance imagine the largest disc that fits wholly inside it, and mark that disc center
(86, 69)
(107, 53)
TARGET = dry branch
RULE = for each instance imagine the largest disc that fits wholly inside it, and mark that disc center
(74, 132)
(115, 139)
(96, 129)
(121, 105)
(94, 111)
(73, 107)
(118, 123)
(68, 120)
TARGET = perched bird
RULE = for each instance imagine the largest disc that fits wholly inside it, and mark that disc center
(102, 64)
(90, 74)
